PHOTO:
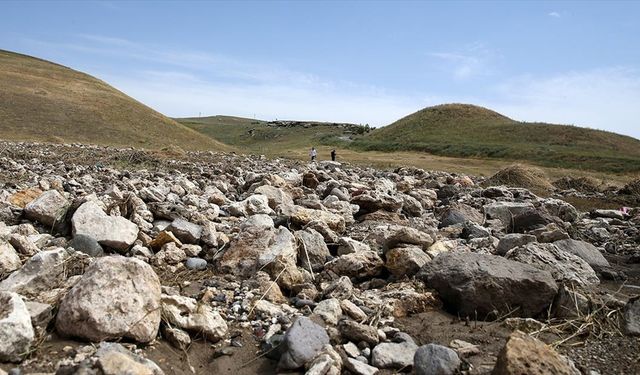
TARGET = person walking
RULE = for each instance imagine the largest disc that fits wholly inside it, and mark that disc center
(333, 155)
(313, 153)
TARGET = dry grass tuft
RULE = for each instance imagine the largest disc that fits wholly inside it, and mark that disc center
(524, 176)
(582, 184)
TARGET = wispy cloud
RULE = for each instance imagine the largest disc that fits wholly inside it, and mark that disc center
(471, 61)
(554, 14)
(599, 98)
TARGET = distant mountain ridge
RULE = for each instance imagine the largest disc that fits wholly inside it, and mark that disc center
(45, 101)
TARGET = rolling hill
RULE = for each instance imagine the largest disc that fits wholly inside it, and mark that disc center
(275, 138)
(44, 101)
(463, 130)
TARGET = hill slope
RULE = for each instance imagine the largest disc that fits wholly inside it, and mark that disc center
(44, 101)
(463, 130)
(276, 138)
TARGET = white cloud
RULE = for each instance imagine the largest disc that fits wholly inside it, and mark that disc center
(473, 61)
(600, 98)
(185, 83)
(554, 14)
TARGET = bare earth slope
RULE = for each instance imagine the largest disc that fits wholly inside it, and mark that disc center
(43, 101)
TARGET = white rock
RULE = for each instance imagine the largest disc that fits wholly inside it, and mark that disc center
(112, 231)
(9, 259)
(116, 297)
(329, 310)
(190, 315)
(16, 332)
(41, 272)
(49, 208)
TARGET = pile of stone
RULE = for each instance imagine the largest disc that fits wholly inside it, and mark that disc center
(317, 260)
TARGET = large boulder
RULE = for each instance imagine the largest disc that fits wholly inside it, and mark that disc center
(49, 208)
(481, 286)
(523, 354)
(42, 272)
(113, 231)
(116, 298)
(584, 250)
(16, 332)
(563, 266)
(188, 314)
(302, 342)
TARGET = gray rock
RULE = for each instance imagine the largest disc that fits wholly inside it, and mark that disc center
(342, 288)
(261, 221)
(584, 250)
(563, 266)
(116, 297)
(312, 250)
(513, 240)
(397, 234)
(9, 259)
(87, 245)
(198, 264)
(169, 254)
(459, 213)
(16, 332)
(478, 285)
(114, 359)
(360, 368)
(185, 231)
(49, 208)
(42, 272)
(357, 332)
(358, 265)
(570, 303)
(610, 214)
(435, 359)
(347, 245)
(41, 314)
(329, 310)
(632, 317)
(391, 355)
(471, 230)
(112, 231)
(302, 342)
(177, 337)
(506, 211)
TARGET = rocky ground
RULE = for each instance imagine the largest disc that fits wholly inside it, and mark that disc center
(128, 262)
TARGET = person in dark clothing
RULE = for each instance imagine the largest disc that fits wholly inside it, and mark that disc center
(333, 155)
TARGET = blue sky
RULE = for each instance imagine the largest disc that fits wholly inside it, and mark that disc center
(365, 62)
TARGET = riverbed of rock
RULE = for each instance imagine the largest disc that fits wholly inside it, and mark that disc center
(317, 262)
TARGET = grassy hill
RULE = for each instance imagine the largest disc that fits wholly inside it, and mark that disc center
(276, 138)
(462, 130)
(44, 101)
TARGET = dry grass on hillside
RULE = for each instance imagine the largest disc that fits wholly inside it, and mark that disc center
(524, 176)
(46, 102)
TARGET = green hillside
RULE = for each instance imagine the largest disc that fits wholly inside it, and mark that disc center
(43, 101)
(276, 138)
(462, 130)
